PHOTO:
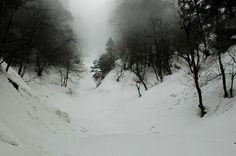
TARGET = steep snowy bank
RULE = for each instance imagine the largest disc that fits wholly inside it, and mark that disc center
(44, 119)
(27, 122)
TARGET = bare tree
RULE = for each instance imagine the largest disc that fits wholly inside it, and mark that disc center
(232, 74)
(189, 48)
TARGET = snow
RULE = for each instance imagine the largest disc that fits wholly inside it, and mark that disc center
(44, 119)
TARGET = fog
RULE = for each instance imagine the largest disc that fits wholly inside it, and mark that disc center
(91, 18)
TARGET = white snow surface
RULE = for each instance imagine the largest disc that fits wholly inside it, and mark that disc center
(44, 119)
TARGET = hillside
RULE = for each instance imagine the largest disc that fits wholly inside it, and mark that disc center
(43, 119)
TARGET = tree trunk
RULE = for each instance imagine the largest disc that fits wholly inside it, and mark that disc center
(144, 84)
(232, 86)
(158, 63)
(40, 68)
(138, 87)
(169, 69)
(160, 74)
(23, 71)
(199, 92)
(67, 75)
(20, 70)
(142, 81)
(222, 70)
(10, 62)
(155, 71)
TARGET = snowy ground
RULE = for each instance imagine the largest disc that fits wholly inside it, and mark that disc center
(43, 119)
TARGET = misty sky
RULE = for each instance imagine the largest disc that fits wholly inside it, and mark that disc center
(92, 23)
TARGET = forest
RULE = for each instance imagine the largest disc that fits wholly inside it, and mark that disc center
(37, 34)
(117, 77)
(153, 35)
(150, 36)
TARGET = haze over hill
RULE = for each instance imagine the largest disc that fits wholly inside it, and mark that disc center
(117, 78)
(92, 23)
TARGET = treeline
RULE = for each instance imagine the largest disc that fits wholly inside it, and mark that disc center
(206, 26)
(38, 33)
(105, 63)
(151, 33)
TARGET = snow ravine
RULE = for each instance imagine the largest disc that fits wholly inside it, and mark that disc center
(43, 119)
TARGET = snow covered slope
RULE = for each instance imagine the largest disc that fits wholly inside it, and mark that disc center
(28, 124)
(43, 119)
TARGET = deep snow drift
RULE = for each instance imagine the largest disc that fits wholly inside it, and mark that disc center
(43, 119)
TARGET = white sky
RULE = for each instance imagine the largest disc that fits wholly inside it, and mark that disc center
(92, 23)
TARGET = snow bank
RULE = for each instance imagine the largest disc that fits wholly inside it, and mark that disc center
(44, 119)
(27, 122)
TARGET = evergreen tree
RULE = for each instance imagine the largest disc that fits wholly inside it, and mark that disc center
(105, 63)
